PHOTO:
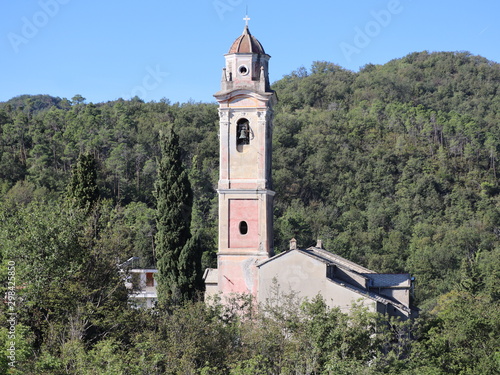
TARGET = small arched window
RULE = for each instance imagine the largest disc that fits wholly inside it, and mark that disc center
(243, 132)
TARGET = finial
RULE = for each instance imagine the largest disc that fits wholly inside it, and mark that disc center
(246, 19)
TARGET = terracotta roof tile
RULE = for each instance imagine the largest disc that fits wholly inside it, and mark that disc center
(247, 43)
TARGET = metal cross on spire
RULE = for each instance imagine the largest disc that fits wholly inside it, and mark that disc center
(246, 19)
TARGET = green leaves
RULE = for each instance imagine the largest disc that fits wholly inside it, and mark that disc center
(462, 335)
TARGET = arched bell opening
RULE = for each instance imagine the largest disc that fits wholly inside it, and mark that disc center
(243, 133)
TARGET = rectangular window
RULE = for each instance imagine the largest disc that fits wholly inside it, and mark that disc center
(150, 280)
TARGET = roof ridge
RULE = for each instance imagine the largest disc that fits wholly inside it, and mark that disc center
(347, 263)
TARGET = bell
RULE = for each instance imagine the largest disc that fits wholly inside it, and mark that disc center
(243, 134)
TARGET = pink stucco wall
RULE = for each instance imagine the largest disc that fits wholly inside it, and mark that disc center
(243, 210)
(238, 274)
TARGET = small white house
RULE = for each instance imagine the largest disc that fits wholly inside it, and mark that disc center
(141, 283)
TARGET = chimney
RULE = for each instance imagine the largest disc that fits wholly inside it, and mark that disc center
(293, 244)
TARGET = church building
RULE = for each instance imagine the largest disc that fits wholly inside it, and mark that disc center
(246, 263)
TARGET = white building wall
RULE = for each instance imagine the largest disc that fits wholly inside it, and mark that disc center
(306, 276)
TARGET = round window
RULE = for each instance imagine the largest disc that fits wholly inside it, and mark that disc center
(243, 227)
(243, 70)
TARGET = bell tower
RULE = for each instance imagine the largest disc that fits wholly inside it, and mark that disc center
(245, 196)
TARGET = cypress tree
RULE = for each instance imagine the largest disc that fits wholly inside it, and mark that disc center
(178, 257)
(83, 191)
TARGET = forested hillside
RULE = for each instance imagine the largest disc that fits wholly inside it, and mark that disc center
(395, 167)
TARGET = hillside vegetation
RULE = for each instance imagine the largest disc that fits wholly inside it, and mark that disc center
(395, 167)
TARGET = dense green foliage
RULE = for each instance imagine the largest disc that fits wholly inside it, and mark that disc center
(178, 258)
(83, 191)
(394, 167)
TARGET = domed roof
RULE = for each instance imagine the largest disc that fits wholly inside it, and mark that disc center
(247, 43)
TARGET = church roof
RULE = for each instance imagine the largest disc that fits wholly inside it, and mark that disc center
(372, 295)
(247, 43)
(337, 259)
(327, 258)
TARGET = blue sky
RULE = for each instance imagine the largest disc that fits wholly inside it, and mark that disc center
(107, 49)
